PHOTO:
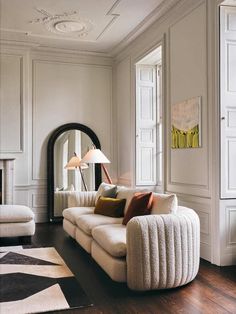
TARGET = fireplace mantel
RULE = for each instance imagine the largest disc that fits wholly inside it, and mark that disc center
(7, 167)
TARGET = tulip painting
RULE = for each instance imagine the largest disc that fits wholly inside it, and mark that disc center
(186, 124)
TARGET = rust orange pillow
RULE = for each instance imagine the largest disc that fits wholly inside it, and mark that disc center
(141, 204)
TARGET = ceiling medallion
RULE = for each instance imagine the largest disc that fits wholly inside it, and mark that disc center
(68, 24)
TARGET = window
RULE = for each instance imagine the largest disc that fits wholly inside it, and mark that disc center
(149, 120)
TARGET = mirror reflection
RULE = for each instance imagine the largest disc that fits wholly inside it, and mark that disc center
(69, 174)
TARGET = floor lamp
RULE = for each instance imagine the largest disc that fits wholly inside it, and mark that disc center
(76, 163)
(95, 156)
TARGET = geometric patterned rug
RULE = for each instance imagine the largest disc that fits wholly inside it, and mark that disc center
(37, 280)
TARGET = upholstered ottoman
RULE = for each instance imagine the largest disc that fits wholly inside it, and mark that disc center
(16, 221)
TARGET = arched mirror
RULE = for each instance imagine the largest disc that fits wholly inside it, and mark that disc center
(65, 174)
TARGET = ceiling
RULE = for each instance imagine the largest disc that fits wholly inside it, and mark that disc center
(84, 25)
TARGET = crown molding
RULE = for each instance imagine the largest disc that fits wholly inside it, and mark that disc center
(18, 44)
(72, 51)
(46, 49)
(156, 14)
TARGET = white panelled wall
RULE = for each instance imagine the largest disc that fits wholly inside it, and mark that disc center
(187, 171)
(189, 35)
(42, 92)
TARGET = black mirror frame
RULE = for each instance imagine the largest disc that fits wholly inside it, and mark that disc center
(50, 163)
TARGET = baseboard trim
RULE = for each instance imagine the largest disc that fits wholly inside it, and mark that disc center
(228, 259)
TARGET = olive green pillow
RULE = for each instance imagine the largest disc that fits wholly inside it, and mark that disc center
(112, 207)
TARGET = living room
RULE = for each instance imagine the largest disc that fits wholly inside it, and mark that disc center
(73, 62)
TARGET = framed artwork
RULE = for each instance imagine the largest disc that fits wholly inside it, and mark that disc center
(186, 124)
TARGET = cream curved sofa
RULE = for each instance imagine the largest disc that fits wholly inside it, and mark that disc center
(151, 252)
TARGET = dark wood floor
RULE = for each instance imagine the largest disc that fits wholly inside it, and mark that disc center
(213, 290)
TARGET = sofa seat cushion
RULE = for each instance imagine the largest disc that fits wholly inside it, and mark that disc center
(115, 267)
(15, 213)
(72, 213)
(112, 238)
(90, 221)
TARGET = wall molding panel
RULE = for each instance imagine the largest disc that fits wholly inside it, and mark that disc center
(204, 222)
(205, 251)
(34, 197)
(183, 173)
(231, 225)
(12, 101)
(203, 208)
(228, 232)
(123, 98)
(39, 200)
(47, 66)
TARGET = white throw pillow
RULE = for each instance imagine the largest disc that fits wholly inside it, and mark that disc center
(103, 187)
(164, 204)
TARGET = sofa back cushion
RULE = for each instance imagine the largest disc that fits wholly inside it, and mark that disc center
(128, 194)
(102, 188)
(111, 207)
(110, 192)
(80, 198)
(140, 204)
(164, 204)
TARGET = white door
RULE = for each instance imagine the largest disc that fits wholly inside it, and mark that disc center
(146, 125)
(228, 101)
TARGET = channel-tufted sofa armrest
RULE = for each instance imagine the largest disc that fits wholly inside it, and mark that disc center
(163, 251)
(82, 199)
